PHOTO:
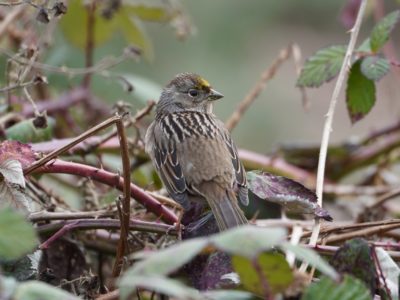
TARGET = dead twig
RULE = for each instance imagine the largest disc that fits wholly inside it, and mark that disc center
(41, 162)
(129, 122)
(66, 101)
(329, 229)
(361, 233)
(269, 73)
(18, 86)
(11, 3)
(113, 295)
(104, 64)
(331, 250)
(69, 215)
(379, 202)
(63, 227)
(126, 206)
(14, 13)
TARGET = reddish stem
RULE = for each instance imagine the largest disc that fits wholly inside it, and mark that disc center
(111, 179)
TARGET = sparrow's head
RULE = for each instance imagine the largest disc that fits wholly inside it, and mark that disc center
(187, 91)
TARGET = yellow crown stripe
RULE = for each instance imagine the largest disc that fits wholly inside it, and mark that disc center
(203, 82)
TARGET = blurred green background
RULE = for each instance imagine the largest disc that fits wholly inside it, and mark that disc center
(233, 42)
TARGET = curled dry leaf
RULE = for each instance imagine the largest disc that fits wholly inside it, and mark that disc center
(291, 195)
(12, 186)
(13, 157)
(17, 151)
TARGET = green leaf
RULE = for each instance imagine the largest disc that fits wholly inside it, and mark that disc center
(271, 267)
(163, 285)
(374, 67)
(148, 13)
(322, 66)
(74, 27)
(36, 290)
(360, 93)
(312, 258)
(365, 46)
(228, 295)
(253, 240)
(381, 31)
(26, 132)
(17, 236)
(134, 33)
(167, 260)
(125, 20)
(350, 289)
(354, 258)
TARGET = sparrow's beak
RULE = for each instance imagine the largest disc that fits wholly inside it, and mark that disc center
(214, 95)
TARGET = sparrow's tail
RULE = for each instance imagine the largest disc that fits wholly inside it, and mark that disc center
(225, 207)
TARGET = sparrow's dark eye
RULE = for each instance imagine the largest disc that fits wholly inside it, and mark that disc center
(193, 93)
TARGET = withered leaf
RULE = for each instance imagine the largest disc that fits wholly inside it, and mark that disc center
(291, 195)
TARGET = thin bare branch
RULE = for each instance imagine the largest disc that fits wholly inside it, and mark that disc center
(69, 215)
(14, 13)
(126, 206)
(269, 73)
(17, 86)
(104, 64)
(361, 233)
(329, 119)
(37, 164)
(63, 227)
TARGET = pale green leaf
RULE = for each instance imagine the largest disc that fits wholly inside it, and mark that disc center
(322, 66)
(350, 289)
(159, 284)
(167, 260)
(26, 132)
(390, 270)
(17, 236)
(253, 240)
(365, 46)
(36, 290)
(374, 67)
(312, 258)
(360, 93)
(228, 295)
(381, 32)
(7, 287)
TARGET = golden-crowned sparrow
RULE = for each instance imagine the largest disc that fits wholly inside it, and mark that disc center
(193, 152)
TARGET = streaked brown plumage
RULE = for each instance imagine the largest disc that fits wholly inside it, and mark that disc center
(194, 153)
